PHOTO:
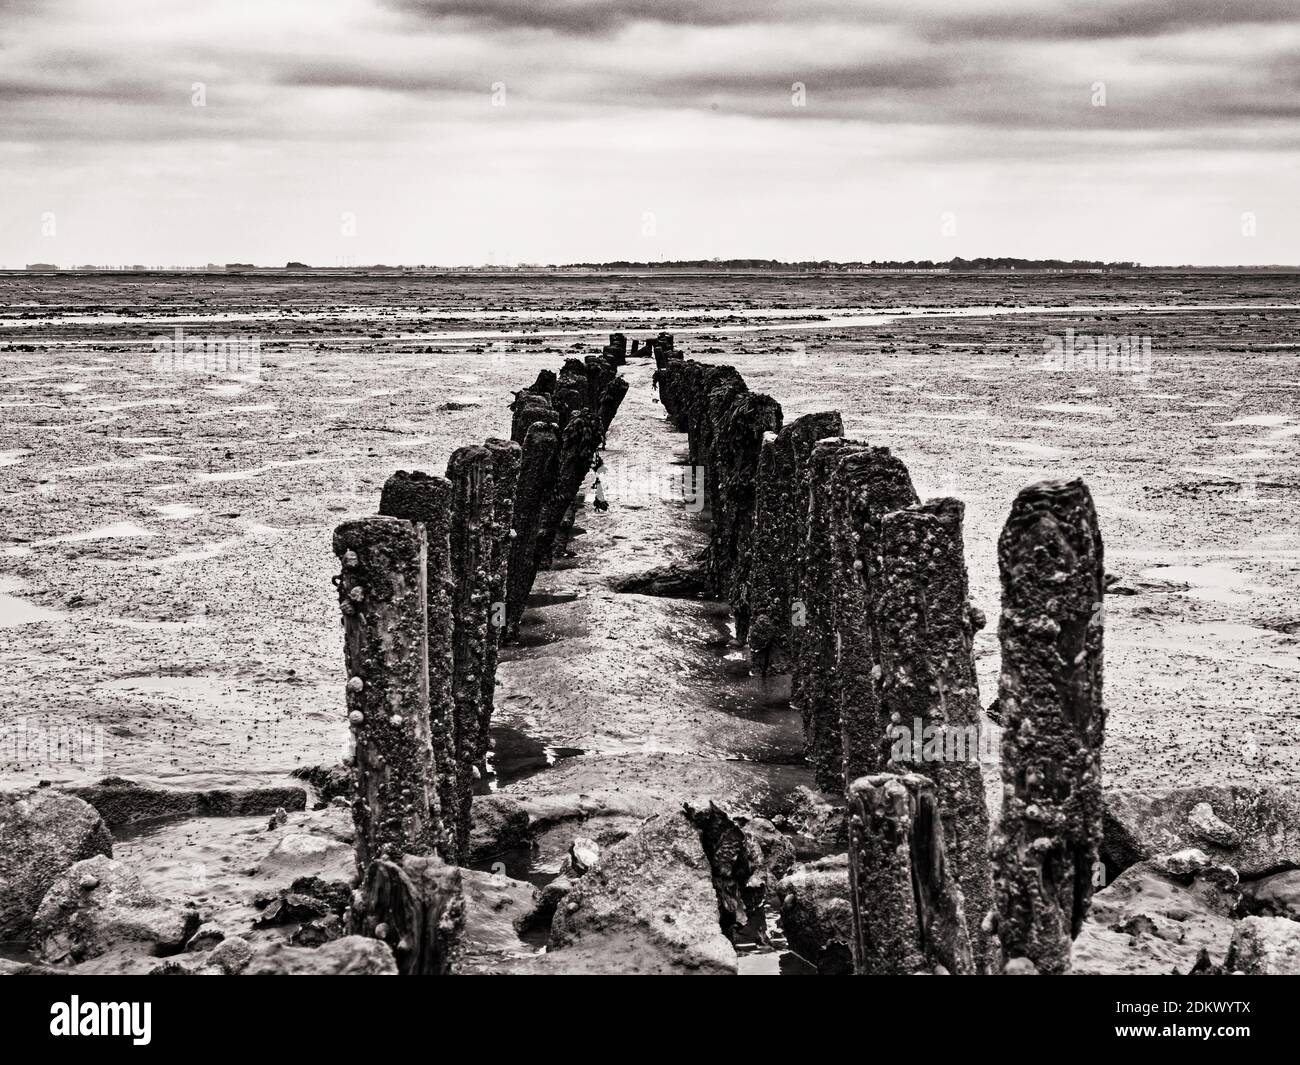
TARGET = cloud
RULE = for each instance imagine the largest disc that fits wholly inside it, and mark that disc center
(619, 98)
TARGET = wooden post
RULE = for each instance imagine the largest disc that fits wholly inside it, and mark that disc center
(865, 485)
(907, 908)
(928, 689)
(421, 498)
(470, 472)
(576, 449)
(1053, 579)
(536, 484)
(610, 401)
(506, 460)
(814, 687)
(738, 436)
(382, 595)
(781, 512)
(527, 408)
(415, 906)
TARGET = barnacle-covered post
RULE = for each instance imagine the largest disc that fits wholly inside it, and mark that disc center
(577, 447)
(470, 473)
(506, 458)
(866, 484)
(616, 349)
(536, 483)
(529, 407)
(928, 689)
(424, 499)
(610, 401)
(907, 908)
(739, 434)
(382, 595)
(1049, 692)
(814, 686)
(780, 511)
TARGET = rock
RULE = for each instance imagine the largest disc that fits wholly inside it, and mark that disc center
(583, 854)
(497, 912)
(300, 853)
(231, 955)
(316, 932)
(817, 914)
(291, 908)
(331, 782)
(349, 956)
(121, 801)
(498, 824)
(335, 894)
(1253, 828)
(776, 848)
(1158, 916)
(278, 819)
(548, 901)
(9, 967)
(1274, 896)
(75, 923)
(1265, 946)
(648, 906)
(207, 937)
(819, 827)
(42, 834)
(739, 874)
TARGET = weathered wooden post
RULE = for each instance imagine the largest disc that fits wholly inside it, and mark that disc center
(928, 689)
(1050, 695)
(506, 460)
(382, 595)
(417, 497)
(527, 408)
(470, 473)
(781, 511)
(610, 401)
(577, 448)
(866, 483)
(814, 687)
(907, 908)
(416, 907)
(536, 484)
(616, 349)
(738, 442)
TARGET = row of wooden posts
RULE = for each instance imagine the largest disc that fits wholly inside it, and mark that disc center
(429, 589)
(837, 572)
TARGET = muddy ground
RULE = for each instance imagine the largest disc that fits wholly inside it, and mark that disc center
(165, 599)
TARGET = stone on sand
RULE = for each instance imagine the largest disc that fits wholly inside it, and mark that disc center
(42, 833)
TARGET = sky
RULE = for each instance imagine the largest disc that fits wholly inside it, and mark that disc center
(336, 132)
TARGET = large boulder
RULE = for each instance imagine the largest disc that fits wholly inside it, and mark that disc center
(1158, 917)
(99, 906)
(1253, 828)
(817, 914)
(1274, 896)
(121, 801)
(1265, 946)
(349, 956)
(647, 906)
(498, 824)
(42, 834)
(498, 912)
(298, 854)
